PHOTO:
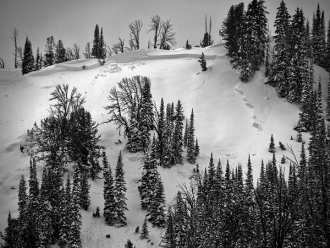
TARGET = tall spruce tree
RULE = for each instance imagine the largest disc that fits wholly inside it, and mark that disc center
(178, 134)
(84, 193)
(191, 140)
(28, 58)
(96, 42)
(49, 52)
(109, 210)
(101, 47)
(60, 52)
(281, 60)
(120, 190)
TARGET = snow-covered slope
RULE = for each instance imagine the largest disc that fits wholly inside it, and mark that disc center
(233, 119)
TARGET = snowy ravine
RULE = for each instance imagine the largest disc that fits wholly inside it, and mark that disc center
(232, 120)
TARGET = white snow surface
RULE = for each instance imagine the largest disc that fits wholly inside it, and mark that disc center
(232, 120)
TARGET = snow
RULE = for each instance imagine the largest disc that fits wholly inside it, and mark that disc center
(232, 119)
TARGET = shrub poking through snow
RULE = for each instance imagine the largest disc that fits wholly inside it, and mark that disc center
(202, 61)
(144, 231)
(282, 146)
(271, 145)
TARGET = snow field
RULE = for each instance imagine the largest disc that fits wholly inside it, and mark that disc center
(232, 119)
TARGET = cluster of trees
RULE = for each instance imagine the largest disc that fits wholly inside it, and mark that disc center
(99, 46)
(133, 110)
(114, 193)
(151, 189)
(54, 54)
(222, 209)
(246, 37)
(207, 40)
(49, 213)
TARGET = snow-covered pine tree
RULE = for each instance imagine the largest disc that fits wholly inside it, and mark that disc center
(197, 148)
(328, 102)
(28, 58)
(180, 221)
(144, 188)
(281, 61)
(156, 210)
(96, 42)
(318, 36)
(168, 238)
(146, 116)
(101, 46)
(22, 197)
(65, 220)
(84, 193)
(161, 133)
(178, 134)
(60, 52)
(11, 235)
(327, 50)
(188, 46)
(185, 136)
(144, 230)
(74, 239)
(129, 244)
(49, 52)
(37, 64)
(299, 66)
(272, 144)
(109, 210)
(120, 190)
(191, 140)
(202, 62)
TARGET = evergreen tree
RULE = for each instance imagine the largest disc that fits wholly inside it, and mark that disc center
(144, 231)
(60, 52)
(129, 244)
(190, 140)
(328, 102)
(156, 210)
(271, 145)
(188, 46)
(37, 65)
(96, 42)
(84, 194)
(185, 136)
(11, 235)
(202, 62)
(65, 217)
(161, 133)
(318, 37)
(49, 52)
(327, 50)
(169, 234)
(178, 134)
(119, 191)
(145, 187)
(28, 58)
(22, 197)
(74, 239)
(101, 47)
(281, 61)
(197, 149)
(109, 211)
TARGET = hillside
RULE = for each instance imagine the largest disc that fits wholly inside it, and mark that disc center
(232, 119)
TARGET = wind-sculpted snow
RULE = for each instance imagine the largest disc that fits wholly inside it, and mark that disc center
(7, 76)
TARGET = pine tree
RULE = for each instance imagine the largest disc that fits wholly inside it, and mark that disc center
(60, 52)
(202, 62)
(84, 194)
(22, 197)
(328, 101)
(188, 46)
(64, 213)
(28, 58)
(37, 65)
(156, 209)
(318, 37)
(96, 42)
(169, 235)
(271, 145)
(74, 239)
(129, 244)
(327, 50)
(281, 61)
(109, 210)
(144, 231)
(190, 140)
(161, 133)
(49, 52)
(120, 190)
(185, 136)
(101, 47)
(299, 137)
(145, 190)
(197, 149)
(178, 134)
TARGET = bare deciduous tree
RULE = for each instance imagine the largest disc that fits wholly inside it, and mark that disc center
(20, 57)
(87, 52)
(120, 46)
(69, 55)
(167, 35)
(14, 38)
(135, 28)
(156, 27)
(76, 50)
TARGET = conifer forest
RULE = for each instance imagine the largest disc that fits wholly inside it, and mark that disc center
(209, 145)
